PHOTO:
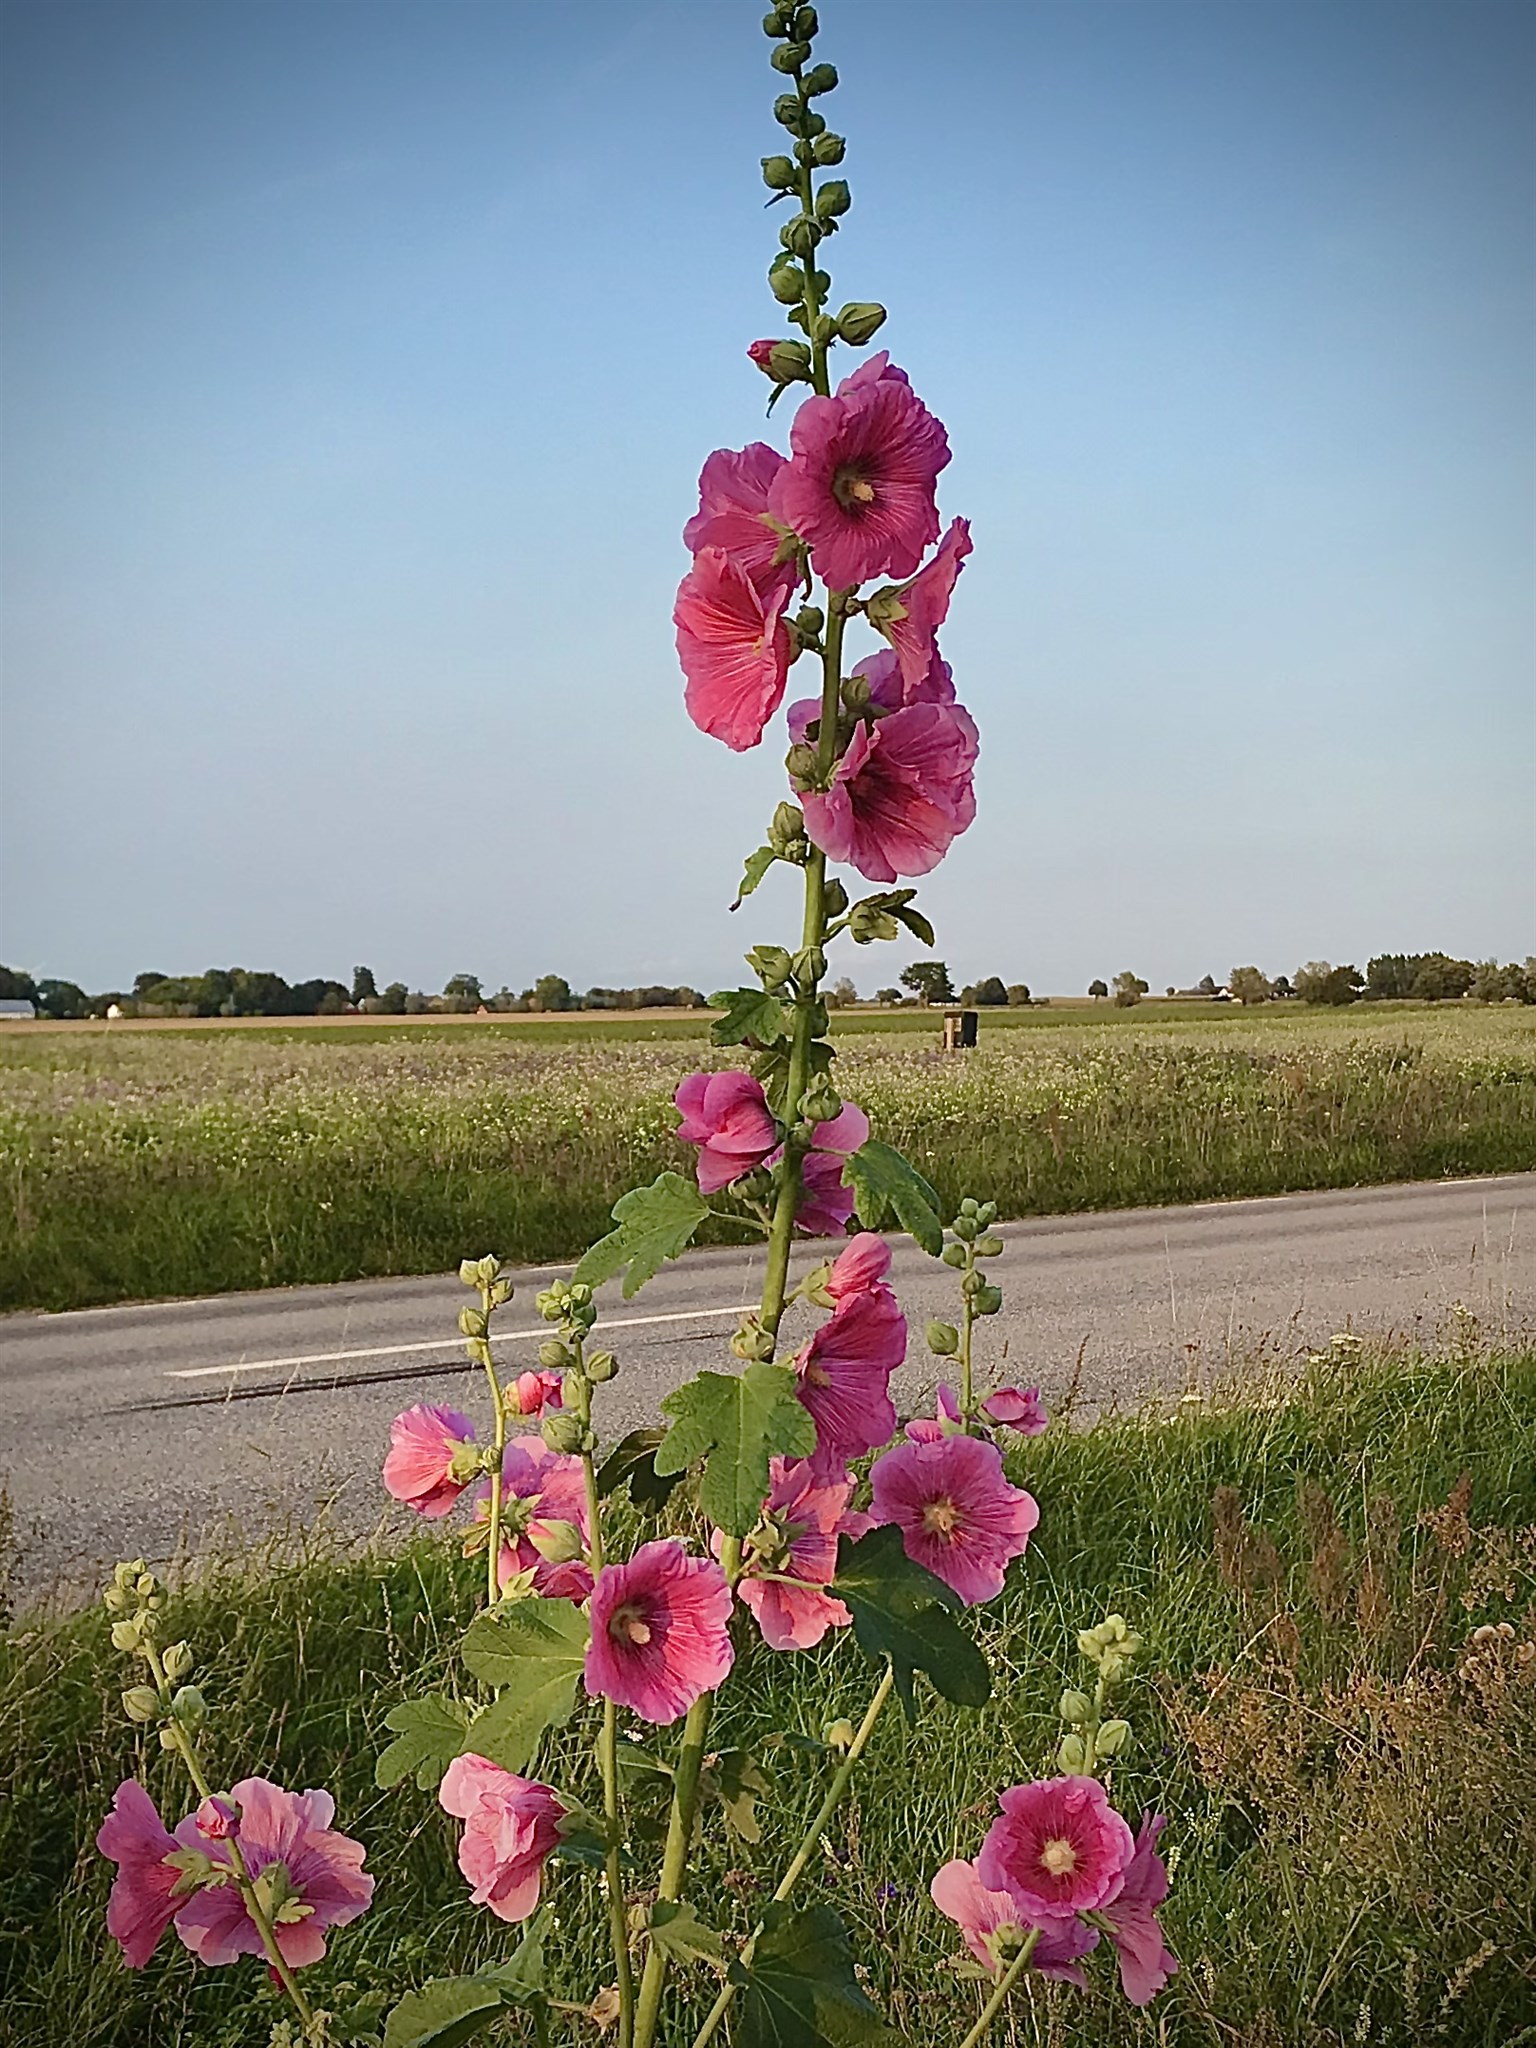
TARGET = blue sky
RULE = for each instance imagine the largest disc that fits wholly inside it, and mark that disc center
(359, 360)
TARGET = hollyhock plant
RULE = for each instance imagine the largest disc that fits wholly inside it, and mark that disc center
(844, 1374)
(660, 1631)
(728, 1118)
(734, 647)
(216, 1818)
(859, 484)
(511, 1825)
(900, 794)
(149, 1889)
(1017, 1408)
(543, 1517)
(426, 1465)
(733, 513)
(995, 1930)
(310, 1877)
(803, 1517)
(959, 1517)
(1059, 1848)
(910, 615)
(1146, 1961)
(945, 1420)
(863, 1262)
(532, 1392)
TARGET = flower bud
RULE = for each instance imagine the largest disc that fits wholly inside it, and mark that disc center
(563, 1433)
(780, 174)
(965, 1227)
(177, 1659)
(803, 764)
(810, 964)
(784, 362)
(787, 828)
(943, 1339)
(800, 235)
(987, 1301)
(469, 1272)
(144, 1585)
(751, 1341)
(790, 56)
(806, 24)
(953, 1255)
(501, 1293)
(772, 965)
(860, 321)
(834, 898)
(819, 1105)
(556, 1542)
(168, 1739)
(217, 1817)
(986, 1215)
(971, 1284)
(141, 1703)
(473, 1322)
(1075, 1707)
(115, 1600)
(776, 25)
(602, 1366)
(189, 1707)
(828, 149)
(838, 1735)
(989, 1247)
(125, 1635)
(823, 330)
(1072, 1755)
(553, 1355)
(786, 281)
(819, 79)
(833, 200)
(486, 1269)
(1112, 1738)
(787, 111)
(810, 619)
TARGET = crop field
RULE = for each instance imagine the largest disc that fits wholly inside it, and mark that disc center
(182, 1160)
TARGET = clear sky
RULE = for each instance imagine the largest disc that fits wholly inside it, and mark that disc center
(359, 359)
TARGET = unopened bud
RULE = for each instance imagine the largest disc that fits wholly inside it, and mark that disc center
(125, 1635)
(819, 79)
(787, 111)
(1072, 1755)
(473, 1322)
(987, 1301)
(782, 362)
(806, 24)
(144, 1585)
(115, 1600)
(860, 322)
(772, 965)
(1112, 1738)
(965, 1227)
(177, 1659)
(838, 1735)
(787, 828)
(469, 1272)
(553, 1355)
(189, 1707)
(943, 1339)
(601, 1367)
(141, 1703)
(751, 1341)
(790, 56)
(834, 899)
(953, 1255)
(828, 149)
(989, 1247)
(779, 174)
(833, 200)
(821, 1104)
(802, 763)
(774, 24)
(501, 1293)
(810, 619)
(563, 1433)
(855, 693)
(1075, 1706)
(556, 1542)
(168, 1739)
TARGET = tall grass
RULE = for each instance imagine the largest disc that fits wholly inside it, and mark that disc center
(1351, 1775)
(165, 1163)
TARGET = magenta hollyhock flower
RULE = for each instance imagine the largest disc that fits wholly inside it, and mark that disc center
(863, 1262)
(911, 615)
(148, 1891)
(890, 690)
(1058, 1848)
(1146, 1963)
(844, 1375)
(532, 1392)
(727, 1117)
(900, 794)
(424, 1455)
(660, 1631)
(875, 369)
(807, 1514)
(826, 1204)
(734, 647)
(995, 1930)
(1018, 1408)
(929, 1429)
(761, 353)
(733, 510)
(510, 1826)
(859, 484)
(958, 1515)
(543, 1508)
(321, 1883)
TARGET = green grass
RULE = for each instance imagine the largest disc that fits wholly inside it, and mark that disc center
(183, 1161)
(1353, 1793)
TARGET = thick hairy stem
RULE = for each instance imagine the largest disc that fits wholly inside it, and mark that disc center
(967, 1327)
(674, 1863)
(499, 1443)
(999, 1998)
(608, 1762)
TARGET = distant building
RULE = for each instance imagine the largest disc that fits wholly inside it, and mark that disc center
(16, 1006)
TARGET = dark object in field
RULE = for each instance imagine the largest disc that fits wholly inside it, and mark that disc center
(959, 1030)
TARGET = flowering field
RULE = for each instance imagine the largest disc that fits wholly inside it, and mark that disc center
(159, 1163)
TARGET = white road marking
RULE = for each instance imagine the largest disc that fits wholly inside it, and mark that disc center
(204, 1372)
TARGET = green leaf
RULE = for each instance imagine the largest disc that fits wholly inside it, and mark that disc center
(443, 2014)
(679, 1933)
(885, 1185)
(758, 863)
(800, 1990)
(520, 1979)
(736, 1779)
(772, 1069)
(429, 1734)
(632, 1463)
(899, 1611)
(752, 1017)
(535, 1650)
(871, 917)
(655, 1223)
(738, 1421)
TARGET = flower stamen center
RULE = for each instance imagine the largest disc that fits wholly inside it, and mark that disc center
(941, 1518)
(629, 1626)
(1059, 1857)
(851, 489)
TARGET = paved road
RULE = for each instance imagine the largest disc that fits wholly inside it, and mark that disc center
(150, 1427)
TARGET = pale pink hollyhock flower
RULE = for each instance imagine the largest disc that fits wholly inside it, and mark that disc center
(995, 1930)
(900, 794)
(326, 1883)
(859, 483)
(532, 1392)
(958, 1516)
(945, 1420)
(147, 1892)
(421, 1460)
(660, 1631)
(217, 1818)
(809, 1513)
(1018, 1408)
(844, 1375)
(510, 1826)
(727, 1117)
(863, 1262)
(826, 1203)
(912, 614)
(1146, 1963)
(733, 510)
(1058, 1848)
(733, 645)
(543, 1501)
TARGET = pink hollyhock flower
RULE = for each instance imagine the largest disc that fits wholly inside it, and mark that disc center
(1146, 1963)
(734, 647)
(1017, 1407)
(826, 1204)
(312, 1875)
(424, 1458)
(859, 484)
(761, 353)
(217, 1818)
(910, 615)
(890, 690)
(543, 1508)
(931, 1429)
(864, 1262)
(806, 1513)
(727, 1117)
(844, 1375)
(958, 1515)
(900, 794)
(532, 1392)
(510, 1826)
(660, 1631)
(995, 1930)
(1059, 1848)
(148, 1890)
(733, 510)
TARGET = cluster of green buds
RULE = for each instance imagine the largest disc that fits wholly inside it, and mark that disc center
(968, 1241)
(1092, 1738)
(485, 1276)
(569, 1305)
(136, 1600)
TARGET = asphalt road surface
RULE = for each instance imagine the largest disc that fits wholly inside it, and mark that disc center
(164, 1426)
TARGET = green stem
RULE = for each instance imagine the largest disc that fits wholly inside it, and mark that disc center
(967, 1325)
(996, 2002)
(674, 1861)
(819, 378)
(499, 1445)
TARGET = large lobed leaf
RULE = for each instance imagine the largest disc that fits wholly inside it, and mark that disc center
(752, 1017)
(887, 1186)
(535, 1650)
(800, 1989)
(655, 1224)
(899, 1611)
(429, 1734)
(451, 2011)
(737, 1421)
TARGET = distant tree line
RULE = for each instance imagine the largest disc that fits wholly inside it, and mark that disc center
(1389, 978)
